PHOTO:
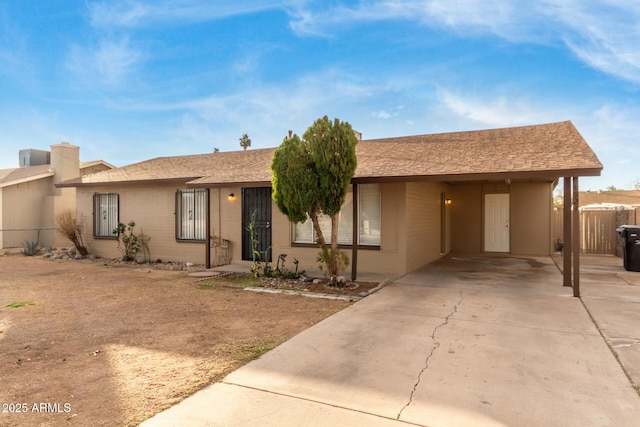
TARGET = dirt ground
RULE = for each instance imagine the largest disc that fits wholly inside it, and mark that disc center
(106, 345)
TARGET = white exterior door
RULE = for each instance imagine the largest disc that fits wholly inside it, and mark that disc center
(496, 222)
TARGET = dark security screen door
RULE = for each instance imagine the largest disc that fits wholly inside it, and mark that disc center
(256, 200)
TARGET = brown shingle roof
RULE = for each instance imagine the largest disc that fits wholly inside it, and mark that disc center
(543, 151)
(11, 176)
(233, 166)
(547, 150)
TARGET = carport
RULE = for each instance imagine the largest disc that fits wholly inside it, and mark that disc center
(484, 192)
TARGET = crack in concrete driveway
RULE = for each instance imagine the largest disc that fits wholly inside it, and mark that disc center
(436, 345)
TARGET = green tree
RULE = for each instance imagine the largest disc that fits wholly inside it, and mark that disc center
(245, 141)
(311, 176)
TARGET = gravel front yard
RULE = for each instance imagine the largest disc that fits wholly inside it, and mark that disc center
(82, 343)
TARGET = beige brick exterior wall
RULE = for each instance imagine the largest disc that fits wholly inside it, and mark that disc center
(152, 208)
(531, 221)
(410, 235)
(423, 223)
(466, 218)
(530, 217)
(389, 259)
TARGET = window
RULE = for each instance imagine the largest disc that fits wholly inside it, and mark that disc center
(191, 211)
(105, 214)
(368, 220)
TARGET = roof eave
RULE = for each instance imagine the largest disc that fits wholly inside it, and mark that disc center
(493, 176)
(74, 183)
(229, 184)
(26, 179)
(496, 176)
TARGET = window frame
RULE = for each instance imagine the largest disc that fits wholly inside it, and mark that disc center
(359, 245)
(97, 204)
(199, 217)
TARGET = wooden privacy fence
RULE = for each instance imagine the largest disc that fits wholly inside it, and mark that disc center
(598, 233)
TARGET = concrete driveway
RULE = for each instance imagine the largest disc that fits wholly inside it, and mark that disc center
(488, 341)
(612, 296)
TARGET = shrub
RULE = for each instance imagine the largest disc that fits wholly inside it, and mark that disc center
(285, 273)
(70, 228)
(144, 245)
(128, 241)
(30, 248)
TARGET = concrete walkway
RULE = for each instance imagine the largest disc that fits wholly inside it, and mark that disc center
(468, 341)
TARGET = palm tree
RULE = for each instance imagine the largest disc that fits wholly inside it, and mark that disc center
(245, 141)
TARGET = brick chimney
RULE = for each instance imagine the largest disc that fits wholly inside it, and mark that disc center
(65, 161)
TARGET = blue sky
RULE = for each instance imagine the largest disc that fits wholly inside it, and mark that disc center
(130, 80)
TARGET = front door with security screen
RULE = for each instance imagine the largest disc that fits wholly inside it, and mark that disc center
(496, 222)
(258, 201)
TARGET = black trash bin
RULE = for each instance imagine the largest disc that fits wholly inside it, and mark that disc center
(630, 242)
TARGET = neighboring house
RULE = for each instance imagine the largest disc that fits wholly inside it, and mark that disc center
(418, 198)
(601, 212)
(618, 197)
(29, 199)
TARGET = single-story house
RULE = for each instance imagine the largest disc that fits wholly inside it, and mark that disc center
(414, 199)
(29, 199)
(618, 197)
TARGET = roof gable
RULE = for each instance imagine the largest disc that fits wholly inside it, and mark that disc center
(28, 173)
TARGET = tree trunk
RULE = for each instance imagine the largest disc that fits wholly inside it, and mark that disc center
(327, 253)
(316, 226)
(334, 234)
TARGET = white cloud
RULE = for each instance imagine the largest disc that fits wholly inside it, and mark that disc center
(260, 110)
(385, 115)
(132, 13)
(506, 18)
(605, 35)
(110, 62)
(613, 129)
(382, 115)
(501, 111)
